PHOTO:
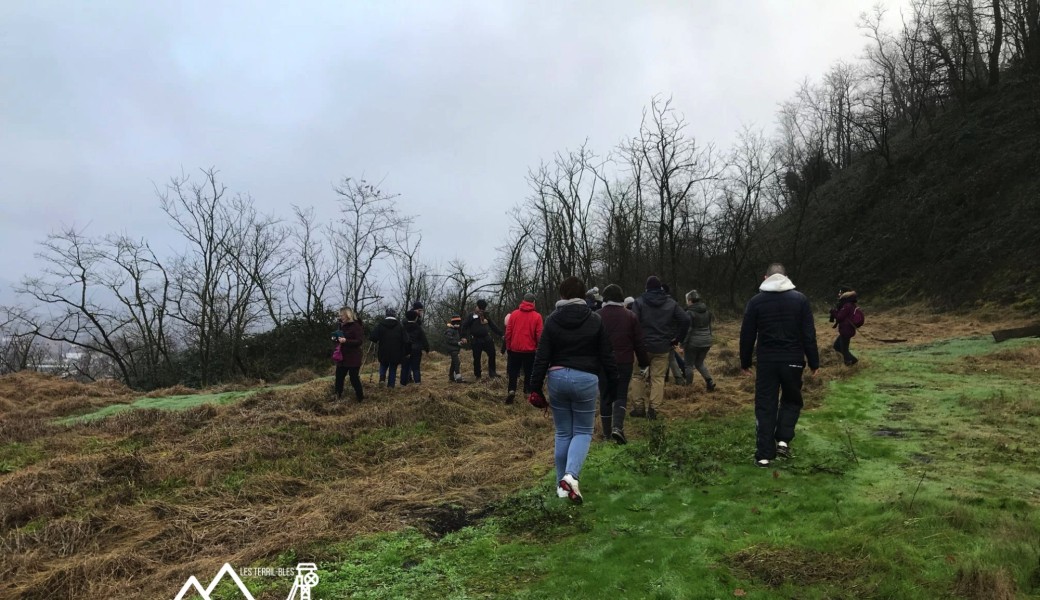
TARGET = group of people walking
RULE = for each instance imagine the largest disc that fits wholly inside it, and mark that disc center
(591, 344)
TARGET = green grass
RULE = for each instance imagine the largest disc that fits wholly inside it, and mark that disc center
(915, 478)
(164, 403)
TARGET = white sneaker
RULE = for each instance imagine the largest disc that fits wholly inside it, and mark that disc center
(561, 493)
(570, 485)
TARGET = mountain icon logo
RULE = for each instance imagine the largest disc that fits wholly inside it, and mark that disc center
(193, 584)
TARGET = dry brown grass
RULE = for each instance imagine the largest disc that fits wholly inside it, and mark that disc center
(978, 583)
(130, 505)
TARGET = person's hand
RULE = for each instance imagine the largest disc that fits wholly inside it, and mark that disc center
(537, 400)
(462, 341)
(746, 372)
(342, 340)
(813, 372)
(644, 371)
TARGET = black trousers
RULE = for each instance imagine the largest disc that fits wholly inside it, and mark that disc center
(515, 362)
(455, 368)
(487, 345)
(613, 399)
(355, 381)
(778, 403)
(842, 345)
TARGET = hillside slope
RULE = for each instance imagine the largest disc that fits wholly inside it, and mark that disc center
(953, 220)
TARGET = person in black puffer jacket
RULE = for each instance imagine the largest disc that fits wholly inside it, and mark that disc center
(779, 320)
(573, 350)
(394, 346)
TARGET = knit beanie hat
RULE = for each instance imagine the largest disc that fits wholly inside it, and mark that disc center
(391, 313)
(411, 315)
(613, 293)
(482, 304)
(417, 305)
(653, 283)
(528, 297)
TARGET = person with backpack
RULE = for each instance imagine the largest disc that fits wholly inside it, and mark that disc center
(394, 346)
(698, 341)
(349, 337)
(411, 368)
(523, 329)
(847, 317)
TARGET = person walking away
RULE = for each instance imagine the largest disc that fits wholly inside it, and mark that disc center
(779, 322)
(842, 317)
(664, 326)
(350, 335)
(676, 364)
(394, 346)
(626, 340)
(419, 310)
(454, 339)
(477, 329)
(698, 341)
(411, 369)
(573, 350)
(523, 329)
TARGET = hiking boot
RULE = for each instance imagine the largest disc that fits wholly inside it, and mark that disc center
(511, 396)
(638, 412)
(651, 414)
(711, 385)
(852, 362)
(570, 485)
(783, 450)
(762, 463)
(618, 436)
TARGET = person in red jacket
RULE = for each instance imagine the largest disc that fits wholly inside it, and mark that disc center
(523, 329)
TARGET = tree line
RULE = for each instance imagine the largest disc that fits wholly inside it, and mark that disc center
(251, 295)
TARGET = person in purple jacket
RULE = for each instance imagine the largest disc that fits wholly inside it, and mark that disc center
(841, 316)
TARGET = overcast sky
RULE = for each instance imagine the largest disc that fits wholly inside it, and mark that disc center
(448, 102)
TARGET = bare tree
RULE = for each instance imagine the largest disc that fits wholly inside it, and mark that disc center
(363, 238)
(199, 212)
(314, 271)
(72, 292)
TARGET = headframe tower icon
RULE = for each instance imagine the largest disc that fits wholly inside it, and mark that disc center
(306, 578)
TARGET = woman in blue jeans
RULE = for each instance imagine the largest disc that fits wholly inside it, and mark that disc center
(572, 352)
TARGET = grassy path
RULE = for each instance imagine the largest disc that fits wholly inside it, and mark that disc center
(916, 478)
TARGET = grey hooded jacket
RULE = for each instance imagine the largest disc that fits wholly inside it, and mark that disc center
(700, 326)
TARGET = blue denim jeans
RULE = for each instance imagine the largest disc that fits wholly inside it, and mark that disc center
(572, 396)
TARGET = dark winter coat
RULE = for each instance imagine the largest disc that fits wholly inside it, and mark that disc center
(662, 320)
(626, 334)
(354, 333)
(573, 337)
(418, 337)
(701, 321)
(393, 340)
(477, 326)
(452, 335)
(779, 318)
(847, 304)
